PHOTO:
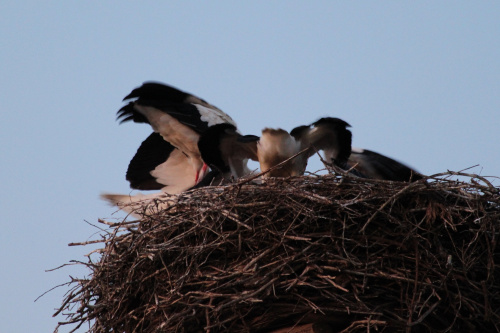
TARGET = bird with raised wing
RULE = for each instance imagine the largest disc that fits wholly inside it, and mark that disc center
(169, 159)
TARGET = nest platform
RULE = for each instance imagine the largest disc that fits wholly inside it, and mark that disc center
(321, 253)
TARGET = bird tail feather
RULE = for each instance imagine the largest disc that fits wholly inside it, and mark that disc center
(140, 204)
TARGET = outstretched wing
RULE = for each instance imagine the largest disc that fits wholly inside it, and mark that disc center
(188, 109)
(159, 165)
(152, 152)
(179, 118)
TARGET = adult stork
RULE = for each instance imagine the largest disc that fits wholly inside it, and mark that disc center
(169, 159)
(331, 136)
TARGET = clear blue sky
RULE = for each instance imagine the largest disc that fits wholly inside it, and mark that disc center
(418, 81)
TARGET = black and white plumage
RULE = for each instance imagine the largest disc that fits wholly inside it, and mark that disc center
(169, 159)
(227, 151)
(277, 146)
(153, 153)
(179, 117)
(330, 135)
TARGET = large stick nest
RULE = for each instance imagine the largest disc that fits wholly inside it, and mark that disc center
(355, 254)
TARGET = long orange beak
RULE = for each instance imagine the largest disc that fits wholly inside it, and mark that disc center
(201, 173)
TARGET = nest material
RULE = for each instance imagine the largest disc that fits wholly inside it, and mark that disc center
(351, 253)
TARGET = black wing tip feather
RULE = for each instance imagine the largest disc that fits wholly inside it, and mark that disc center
(331, 121)
(148, 91)
(128, 113)
(153, 90)
(414, 176)
(137, 91)
(152, 152)
(391, 169)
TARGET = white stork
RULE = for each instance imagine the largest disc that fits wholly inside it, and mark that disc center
(169, 159)
(331, 136)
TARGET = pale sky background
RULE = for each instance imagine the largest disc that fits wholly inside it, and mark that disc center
(418, 81)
